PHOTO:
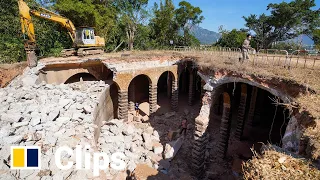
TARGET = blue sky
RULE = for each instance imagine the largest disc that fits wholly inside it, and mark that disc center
(228, 12)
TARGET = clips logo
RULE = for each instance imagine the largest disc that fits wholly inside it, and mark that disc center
(25, 157)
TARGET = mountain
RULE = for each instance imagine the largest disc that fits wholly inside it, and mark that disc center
(205, 36)
(305, 40)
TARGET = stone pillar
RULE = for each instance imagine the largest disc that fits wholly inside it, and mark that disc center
(191, 88)
(152, 99)
(248, 123)
(123, 105)
(175, 96)
(200, 136)
(241, 111)
(224, 127)
(131, 96)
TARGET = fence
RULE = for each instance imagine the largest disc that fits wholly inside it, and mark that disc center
(264, 57)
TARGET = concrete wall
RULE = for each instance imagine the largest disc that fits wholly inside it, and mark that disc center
(104, 111)
(59, 74)
(292, 136)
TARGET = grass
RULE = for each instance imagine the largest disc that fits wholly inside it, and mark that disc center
(274, 164)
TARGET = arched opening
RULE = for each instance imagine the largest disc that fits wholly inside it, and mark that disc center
(77, 77)
(184, 79)
(164, 91)
(264, 121)
(138, 92)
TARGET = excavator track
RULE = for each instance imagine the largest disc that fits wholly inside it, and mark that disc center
(90, 51)
(68, 52)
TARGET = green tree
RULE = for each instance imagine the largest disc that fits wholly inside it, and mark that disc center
(287, 21)
(132, 13)
(11, 46)
(100, 14)
(316, 38)
(163, 25)
(143, 38)
(187, 16)
(233, 39)
(50, 38)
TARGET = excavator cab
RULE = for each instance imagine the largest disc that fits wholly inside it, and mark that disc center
(85, 37)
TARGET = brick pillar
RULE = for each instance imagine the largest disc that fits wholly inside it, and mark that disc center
(201, 136)
(175, 96)
(191, 88)
(169, 85)
(183, 82)
(248, 123)
(123, 105)
(131, 96)
(152, 98)
(224, 127)
(202, 92)
(241, 111)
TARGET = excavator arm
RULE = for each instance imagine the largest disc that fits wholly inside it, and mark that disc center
(64, 22)
(26, 21)
(28, 27)
(83, 45)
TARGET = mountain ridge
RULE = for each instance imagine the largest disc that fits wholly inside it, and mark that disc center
(205, 36)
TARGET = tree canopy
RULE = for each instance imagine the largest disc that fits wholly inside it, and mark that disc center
(287, 21)
(233, 38)
(130, 24)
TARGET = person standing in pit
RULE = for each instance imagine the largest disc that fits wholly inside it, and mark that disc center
(183, 127)
(136, 108)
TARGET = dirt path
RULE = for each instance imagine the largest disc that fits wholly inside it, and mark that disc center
(10, 71)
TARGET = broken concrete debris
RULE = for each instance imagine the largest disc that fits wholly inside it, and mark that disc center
(51, 116)
(172, 148)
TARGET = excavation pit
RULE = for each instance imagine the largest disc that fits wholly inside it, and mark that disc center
(227, 112)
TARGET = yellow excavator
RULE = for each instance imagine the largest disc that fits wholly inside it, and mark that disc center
(84, 40)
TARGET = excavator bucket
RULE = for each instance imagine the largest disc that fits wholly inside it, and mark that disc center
(31, 58)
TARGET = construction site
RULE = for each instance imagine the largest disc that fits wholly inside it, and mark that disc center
(252, 120)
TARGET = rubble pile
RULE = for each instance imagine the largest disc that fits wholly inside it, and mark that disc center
(52, 116)
(49, 116)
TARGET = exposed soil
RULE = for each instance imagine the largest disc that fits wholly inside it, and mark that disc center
(9, 71)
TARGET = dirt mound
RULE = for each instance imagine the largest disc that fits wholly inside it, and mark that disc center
(10, 71)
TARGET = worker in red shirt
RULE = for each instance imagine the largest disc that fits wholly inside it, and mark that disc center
(183, 126)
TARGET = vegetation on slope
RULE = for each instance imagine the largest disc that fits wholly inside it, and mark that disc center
(274, 164)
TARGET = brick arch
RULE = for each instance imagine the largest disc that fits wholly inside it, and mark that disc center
(138, 90)
(202, 121)
(124, 80)
(163, 73)
(166, 71)
(146, 75)
(282, 95)
(62, 75)
(75, 74)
